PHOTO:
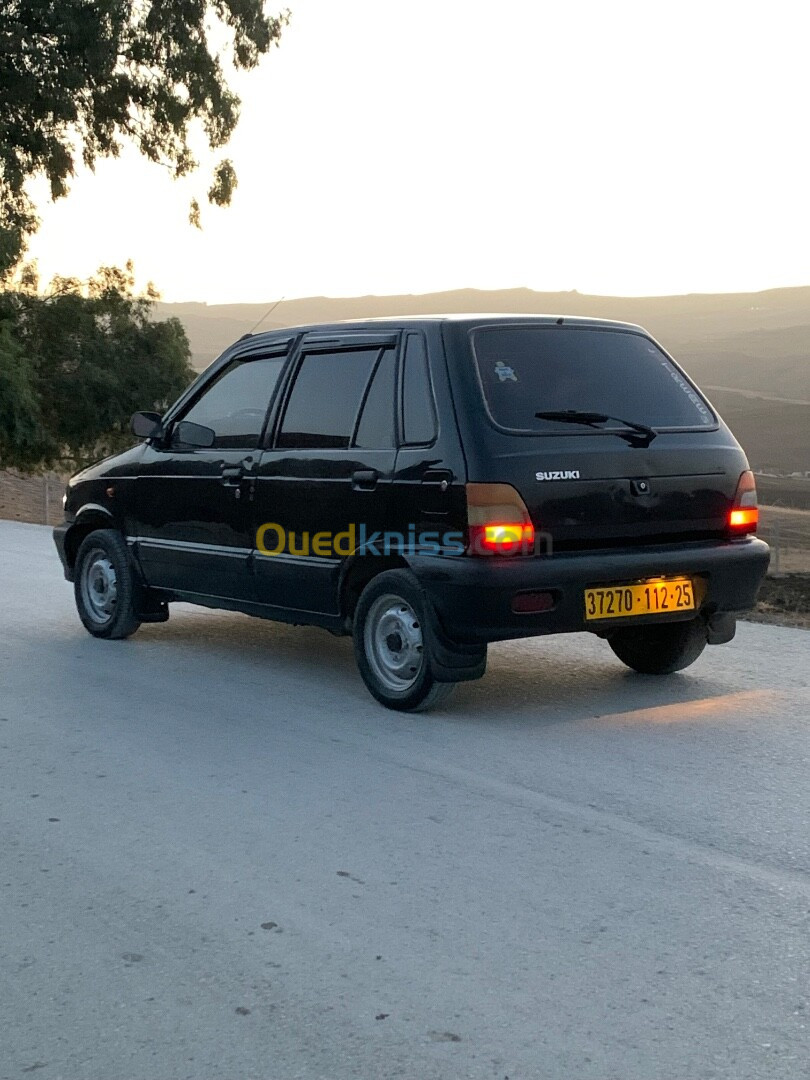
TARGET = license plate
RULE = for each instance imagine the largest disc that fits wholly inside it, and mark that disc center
(646, 598)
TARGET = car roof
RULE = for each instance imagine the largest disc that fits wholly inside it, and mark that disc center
(394, 322)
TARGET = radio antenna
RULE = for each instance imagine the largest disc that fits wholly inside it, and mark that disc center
(269, 311)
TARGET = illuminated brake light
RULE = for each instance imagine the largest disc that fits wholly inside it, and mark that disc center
(498, 522)
(743, 517)
(503, 539)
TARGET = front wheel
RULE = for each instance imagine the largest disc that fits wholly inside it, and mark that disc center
(660, 648)
(390, 647)
(105, 586)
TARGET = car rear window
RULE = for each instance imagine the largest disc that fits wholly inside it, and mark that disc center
(529, 369)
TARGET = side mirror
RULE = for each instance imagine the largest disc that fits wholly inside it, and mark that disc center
(145, 424)
(187, 433)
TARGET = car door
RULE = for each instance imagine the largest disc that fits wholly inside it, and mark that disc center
(324, 482)
(193, 503)
(428, 481)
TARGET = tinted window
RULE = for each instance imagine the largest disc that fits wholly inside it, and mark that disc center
(234, 406)
(376, 428)
(325, 399)
(418, 417)
(525, 370)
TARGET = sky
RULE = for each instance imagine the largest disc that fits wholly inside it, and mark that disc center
(609, 146)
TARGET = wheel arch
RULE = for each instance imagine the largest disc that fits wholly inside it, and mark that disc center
(92, 516)
(357, 572)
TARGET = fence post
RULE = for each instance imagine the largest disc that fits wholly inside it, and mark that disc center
(776, 549)
(47, 501)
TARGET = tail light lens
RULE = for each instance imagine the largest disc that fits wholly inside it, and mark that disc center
(743, 516)
(498, 522)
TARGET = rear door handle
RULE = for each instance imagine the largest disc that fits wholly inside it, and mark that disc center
(435, 476)
(231, 476)
(441, 478)
(364, 480)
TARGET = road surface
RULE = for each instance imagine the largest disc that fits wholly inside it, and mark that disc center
(220, 859)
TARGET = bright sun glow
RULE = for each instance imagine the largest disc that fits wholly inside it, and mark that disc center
(623, 148)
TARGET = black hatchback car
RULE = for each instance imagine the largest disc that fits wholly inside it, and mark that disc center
(430, 485)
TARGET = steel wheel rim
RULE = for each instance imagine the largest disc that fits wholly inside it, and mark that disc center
(393, 641)
(99, 586)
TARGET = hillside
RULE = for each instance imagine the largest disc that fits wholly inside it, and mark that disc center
(775, 434)
(774, 361)
(754, 341)
(748, 350)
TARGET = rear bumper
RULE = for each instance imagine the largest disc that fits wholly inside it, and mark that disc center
(473, 597)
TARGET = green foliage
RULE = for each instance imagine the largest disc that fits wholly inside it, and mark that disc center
(80, 77)
(19, 412)
(77, 362)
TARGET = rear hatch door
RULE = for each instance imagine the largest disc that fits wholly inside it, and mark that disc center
(600, 482)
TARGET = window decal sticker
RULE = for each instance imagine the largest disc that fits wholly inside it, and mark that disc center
(505, 372)
(705, 416)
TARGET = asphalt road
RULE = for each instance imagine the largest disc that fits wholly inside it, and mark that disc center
(221, 860)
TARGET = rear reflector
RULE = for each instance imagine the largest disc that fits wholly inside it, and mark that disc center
(498, 522)
(528, 603)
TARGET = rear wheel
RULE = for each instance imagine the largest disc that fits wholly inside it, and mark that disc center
(389, 645)
(661, 648)
(105, 586)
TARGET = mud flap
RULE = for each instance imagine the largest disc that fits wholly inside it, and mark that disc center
(452, 661)
(149, 607)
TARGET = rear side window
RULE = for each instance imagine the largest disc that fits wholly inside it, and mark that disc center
(325, 399)
(418, 415)
(375, 431)
(529, 369)
(235, 404)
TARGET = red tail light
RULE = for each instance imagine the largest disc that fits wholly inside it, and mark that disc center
(498, 522)
(501, 539)
(743, 517)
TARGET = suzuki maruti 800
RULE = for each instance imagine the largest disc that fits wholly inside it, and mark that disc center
(430, 485)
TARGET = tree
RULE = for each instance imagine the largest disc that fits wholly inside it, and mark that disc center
(81, 77)
(76, 362)
(19, 414)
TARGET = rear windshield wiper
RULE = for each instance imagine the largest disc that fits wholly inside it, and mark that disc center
(643, 433)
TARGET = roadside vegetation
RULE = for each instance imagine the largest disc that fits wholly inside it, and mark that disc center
(784, 600)
(76, 361)
(78, 82)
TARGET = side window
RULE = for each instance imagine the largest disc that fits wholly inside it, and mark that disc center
(377, 425)
(325, 399)
(234, 406)
(418, 414)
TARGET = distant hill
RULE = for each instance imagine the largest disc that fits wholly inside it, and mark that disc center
(758, 343)
(775, 434)
(773, 361)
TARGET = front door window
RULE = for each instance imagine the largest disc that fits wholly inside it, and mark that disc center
(235, 404)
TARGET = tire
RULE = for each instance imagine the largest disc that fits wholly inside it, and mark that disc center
(105, 586)
(660, 648)
(391, 653)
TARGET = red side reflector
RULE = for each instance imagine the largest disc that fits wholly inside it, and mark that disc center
(528, 603)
